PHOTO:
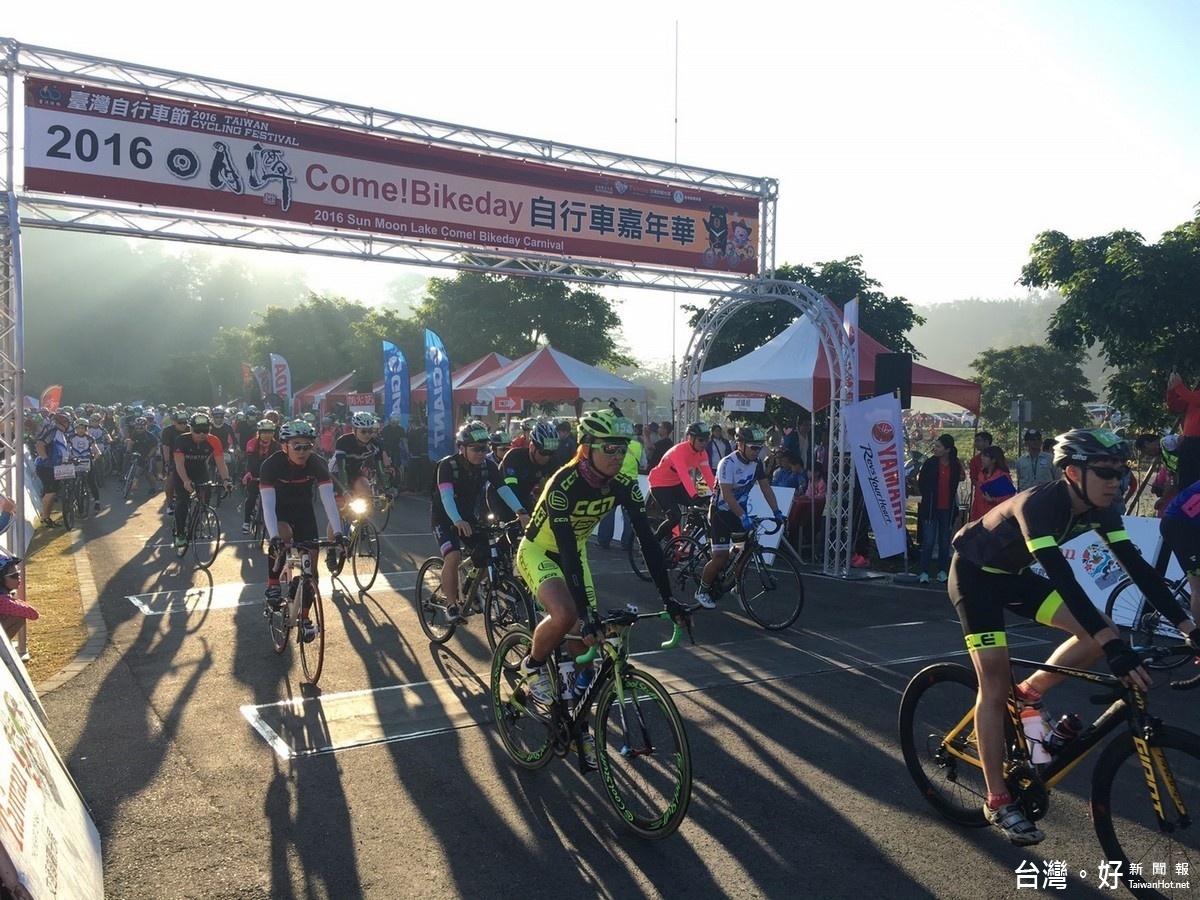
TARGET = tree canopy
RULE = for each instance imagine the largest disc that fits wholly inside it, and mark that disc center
(1135, 302)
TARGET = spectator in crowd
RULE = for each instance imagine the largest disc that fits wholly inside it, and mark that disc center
(1186, 402)
(14, 612)
(790, 473)
(803, 441)
(1034, 466)
(816, 484)
(567, 445)
(522, 439)
(938, 484)
(664, 443)
(7, 510)
(983, 439)
(1162, 452)
(718, 447)
(993, 484)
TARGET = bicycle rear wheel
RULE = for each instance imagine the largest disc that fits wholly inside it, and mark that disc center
(1123, 811)
(205, 536)
(312, 653)
(685, 560)
(505, 606)
(1142, 624)
(642, 748)
(364, 558)
(524, 726)
(431, 602)
(947, 770)
(771, 593)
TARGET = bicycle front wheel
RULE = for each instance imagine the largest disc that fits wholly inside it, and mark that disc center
(1142, 624)
(279, 623)
(505, 606)
(384, 509)
(1123, 807)
(66, 499)
(637, 560)
(130, 476)
(937, 737)
(205, 536)
(431, 602)
(642, 748)
(364, 559)
(524, 726)
(312, 653)
(771, 593)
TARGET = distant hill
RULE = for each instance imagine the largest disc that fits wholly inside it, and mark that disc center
(955, 333)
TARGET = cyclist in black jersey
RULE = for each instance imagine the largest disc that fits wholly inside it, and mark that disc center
(989, 573)
(357, 453)
(552, 556)
(525, 469)
(286, 483)
(462, 483)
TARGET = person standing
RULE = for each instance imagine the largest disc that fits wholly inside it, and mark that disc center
(1186, 402)
(938, 483)
(664, 443)
(718, 447)
(983, 440)
(1034, 466)
(993, 484)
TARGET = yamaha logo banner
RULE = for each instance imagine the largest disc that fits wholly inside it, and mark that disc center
(440, 410)
(876, 439)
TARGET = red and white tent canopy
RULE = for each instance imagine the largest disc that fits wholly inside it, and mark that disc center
(548, 375)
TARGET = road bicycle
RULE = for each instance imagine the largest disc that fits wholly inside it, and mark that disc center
(202, 528)
(493, 590)
(362, 546)
(767, 582)
(73, 496)
(303, 591)
(258, 528)
(1145, 783)
(382, 500)
(131, 476)
(1142, 624)
(693, 524)
(642, 748)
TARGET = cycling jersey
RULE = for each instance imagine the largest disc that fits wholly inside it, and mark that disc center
(257, 452)
(196, 454)
(742, 475)
(1032, 525)
(286, 490)
(461, 490)
(566, 513)
(143, 442)
(224, 433)
(676, 465)
(525, 475)
(1186, 505)
(167, 436)
(356, 457)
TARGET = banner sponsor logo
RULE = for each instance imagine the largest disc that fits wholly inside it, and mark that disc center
(125, 146)
(872, 427)
(441, 401)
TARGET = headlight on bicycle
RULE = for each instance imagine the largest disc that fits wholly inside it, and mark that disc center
(358, 506)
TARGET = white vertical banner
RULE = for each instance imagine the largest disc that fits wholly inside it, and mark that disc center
(281, 379)
(876, 438)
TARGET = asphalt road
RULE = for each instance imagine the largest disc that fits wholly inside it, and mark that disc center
(210, 773)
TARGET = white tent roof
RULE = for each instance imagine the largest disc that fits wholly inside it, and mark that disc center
(781, 367)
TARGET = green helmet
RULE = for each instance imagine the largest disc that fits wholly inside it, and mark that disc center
(604, 425)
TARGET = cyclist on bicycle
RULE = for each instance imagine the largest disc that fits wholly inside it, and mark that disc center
(462, 483)
(500, 443)
(258, 449)
(672, 482)
(525, 469)
(990, 572)
(286, 483)
(167, 437)
(1180, 528)
(552, 556)
(192, 453)
(83, 447)
(736, 476)
(357, 455)
(142, 442)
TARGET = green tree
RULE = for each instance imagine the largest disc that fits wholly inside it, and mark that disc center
(1135, 302)
(475, 314)
(887, 319)
(1051, 379)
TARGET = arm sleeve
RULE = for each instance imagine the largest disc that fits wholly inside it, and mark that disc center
(656, 563)
(446, 492)
(266, 493)
(325, 491)
(505, 492)
(1046, 551)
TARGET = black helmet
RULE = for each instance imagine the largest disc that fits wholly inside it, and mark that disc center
(1080, 446)
(748, 434)
(500, 439)
(545, 437)
(698, 429)
(199, 421)
(472, 433)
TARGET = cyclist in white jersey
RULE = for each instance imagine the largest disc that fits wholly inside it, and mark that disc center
(737, 474)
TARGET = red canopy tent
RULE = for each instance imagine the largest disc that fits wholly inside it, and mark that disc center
(316, 393)
(484, 364)
(548, 375)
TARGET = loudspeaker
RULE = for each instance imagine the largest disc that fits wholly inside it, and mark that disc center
(893, 372)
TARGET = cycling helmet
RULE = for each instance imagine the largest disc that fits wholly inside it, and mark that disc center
(363, 420)
(472, 433)
(7, 562)
(179, 417)
(1080, 446)
(253, 410)
(500, 439)
(603, 425)
(297, 428)
(94, 417)
(265, 425)
(199, 420)
(698, 429)
(138, 411)
(545, 437)
(139, 422)
(62, 420)
(748, 434)
(309, 418)
(80, 423)
(218, 411)
(527, 424)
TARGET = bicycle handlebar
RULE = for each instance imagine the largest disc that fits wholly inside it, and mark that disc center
(623, 618)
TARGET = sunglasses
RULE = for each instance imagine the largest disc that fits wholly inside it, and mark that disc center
(301, 448)
(12, 574)
(200, 429)
(754, 447)
(1106, 474)
(613, 449)
(478, 448)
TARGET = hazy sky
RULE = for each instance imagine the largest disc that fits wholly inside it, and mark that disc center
(936, 139)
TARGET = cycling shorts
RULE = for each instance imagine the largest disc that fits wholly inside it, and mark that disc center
(1183, 537)
(537, 565)
(449, 540)
(302, 520)
(980, 599)
(722, 525)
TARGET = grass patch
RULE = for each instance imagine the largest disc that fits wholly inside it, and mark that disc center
(52, 586)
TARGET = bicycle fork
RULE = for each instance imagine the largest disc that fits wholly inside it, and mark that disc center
(1155, 766)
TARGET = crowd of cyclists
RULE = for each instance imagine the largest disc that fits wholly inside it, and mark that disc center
(562, 480)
